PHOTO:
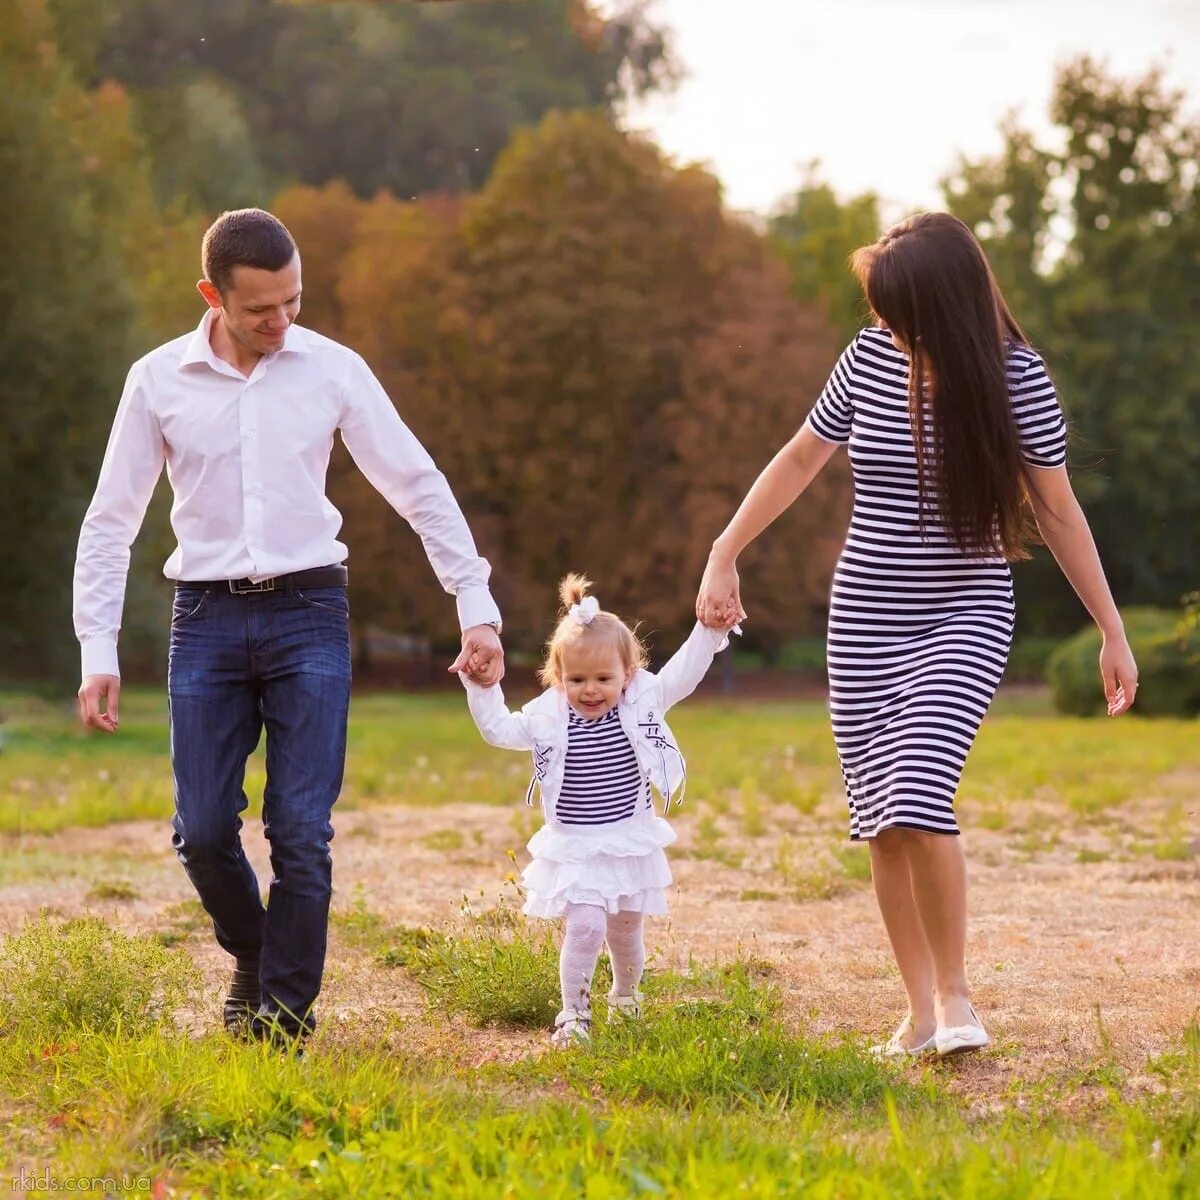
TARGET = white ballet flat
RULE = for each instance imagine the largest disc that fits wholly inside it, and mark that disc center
(958, 1039)
(895, 1048)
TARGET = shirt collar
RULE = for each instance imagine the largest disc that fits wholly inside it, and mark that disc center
(199, 348)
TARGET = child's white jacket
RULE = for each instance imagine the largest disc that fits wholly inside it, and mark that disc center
(541, 726)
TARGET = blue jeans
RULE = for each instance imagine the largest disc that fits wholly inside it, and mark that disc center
(239, 664)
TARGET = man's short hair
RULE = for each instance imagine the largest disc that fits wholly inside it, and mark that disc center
(244, 237)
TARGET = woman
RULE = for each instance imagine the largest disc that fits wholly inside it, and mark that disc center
(952, 424)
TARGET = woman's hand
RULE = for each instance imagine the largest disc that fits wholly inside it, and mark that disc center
(719, 601)
(1119, 674)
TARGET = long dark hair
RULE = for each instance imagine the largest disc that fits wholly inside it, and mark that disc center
(929, 282)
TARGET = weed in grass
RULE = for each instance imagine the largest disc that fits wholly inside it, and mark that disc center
(82, 975)
(495, 967)
(184, 919)
(855, 859)
(1092, 856)
(113, 889)
(707, 844)
(714, 1036)
(994, 817)
(795, 792)
(360, 927)
(753, 822)
(444, 839)
(1036, 841)
(757, 894)
(1097, 794)
(526, 821)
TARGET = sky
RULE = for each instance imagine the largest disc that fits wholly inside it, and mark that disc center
(885, 93)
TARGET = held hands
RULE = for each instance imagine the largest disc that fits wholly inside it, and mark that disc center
(719, 601)
(1119, 673)
(481, 659)
(97, 692)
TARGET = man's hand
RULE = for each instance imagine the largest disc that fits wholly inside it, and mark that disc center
(482, 656)
(98, 696)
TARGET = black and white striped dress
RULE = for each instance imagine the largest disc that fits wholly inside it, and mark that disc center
(919, 632)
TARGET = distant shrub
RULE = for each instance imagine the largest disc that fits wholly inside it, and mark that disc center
(1028, 657)
(82, 976)
(1168, 656)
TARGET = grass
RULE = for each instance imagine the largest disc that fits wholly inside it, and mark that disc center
(724, 1089)
(424, 751)
(712, 1095)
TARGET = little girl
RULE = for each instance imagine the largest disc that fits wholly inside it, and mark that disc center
(599, 741)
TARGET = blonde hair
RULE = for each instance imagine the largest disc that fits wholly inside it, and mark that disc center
(604, 629)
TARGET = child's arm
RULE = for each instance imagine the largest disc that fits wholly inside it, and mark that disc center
(689, 664)
(508, 730)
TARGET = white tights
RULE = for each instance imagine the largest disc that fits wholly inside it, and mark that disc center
(588, 925)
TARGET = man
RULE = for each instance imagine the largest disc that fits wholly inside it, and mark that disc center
(243, 412)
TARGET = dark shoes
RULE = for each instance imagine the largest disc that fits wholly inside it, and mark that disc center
(244, 999)
(249, 1020)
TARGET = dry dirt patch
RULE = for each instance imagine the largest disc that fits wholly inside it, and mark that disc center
(1073, 964)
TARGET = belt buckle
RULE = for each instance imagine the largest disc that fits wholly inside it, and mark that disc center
(267, 585)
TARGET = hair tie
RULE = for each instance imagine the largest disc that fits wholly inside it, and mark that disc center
(584, 613)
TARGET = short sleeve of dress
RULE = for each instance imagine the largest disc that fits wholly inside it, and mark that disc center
(833, 413)
(1041, 426)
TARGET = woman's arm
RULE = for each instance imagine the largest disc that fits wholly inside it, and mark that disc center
(1065, 531)
(719, 604)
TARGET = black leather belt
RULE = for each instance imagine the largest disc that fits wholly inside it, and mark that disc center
(336, 576)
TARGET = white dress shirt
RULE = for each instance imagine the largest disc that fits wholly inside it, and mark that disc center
(246, 457)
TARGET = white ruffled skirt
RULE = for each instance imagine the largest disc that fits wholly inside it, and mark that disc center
(619, 867)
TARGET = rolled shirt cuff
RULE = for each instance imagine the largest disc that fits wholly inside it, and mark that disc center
(476, 607)
(99, 655)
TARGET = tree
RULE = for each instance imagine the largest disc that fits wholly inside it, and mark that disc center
(65, 311)
(632, 407)
(1099, 246)
(815, 233)
(410, 97)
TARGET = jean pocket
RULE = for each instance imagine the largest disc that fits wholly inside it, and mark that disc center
(188, 602)
(329, 599)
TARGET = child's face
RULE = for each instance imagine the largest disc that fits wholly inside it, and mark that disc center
(594, 678)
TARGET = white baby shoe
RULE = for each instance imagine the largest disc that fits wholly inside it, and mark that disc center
(571, 1028)
(629, 1006)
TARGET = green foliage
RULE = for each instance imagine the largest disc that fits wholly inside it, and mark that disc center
(496, 967)
(1027, 658)
(411, 98)
(1096, 248)
(1168, 671)
(815, 233)
(81, 977)
(713, 1035)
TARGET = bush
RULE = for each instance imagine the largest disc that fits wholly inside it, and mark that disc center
(81, 976)
(1168, 656)
(1028, 657)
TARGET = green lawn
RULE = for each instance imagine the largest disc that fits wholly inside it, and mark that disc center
(719, 1092)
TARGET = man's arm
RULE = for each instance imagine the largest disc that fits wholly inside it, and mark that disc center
(401, 470)
(132, 464)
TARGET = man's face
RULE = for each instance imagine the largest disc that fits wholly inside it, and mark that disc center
(258, 306)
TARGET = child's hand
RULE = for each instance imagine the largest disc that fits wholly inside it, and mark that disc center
(481, 659)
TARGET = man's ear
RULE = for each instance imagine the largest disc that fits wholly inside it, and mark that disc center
(208, 290)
